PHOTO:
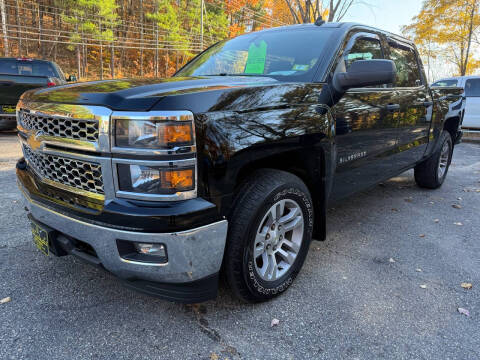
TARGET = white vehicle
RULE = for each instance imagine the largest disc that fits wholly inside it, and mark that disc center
(471, 84)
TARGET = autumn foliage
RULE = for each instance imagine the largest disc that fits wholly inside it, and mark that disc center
(448, 29)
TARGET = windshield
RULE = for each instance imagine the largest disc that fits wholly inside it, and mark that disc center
(27, 67)
(446, 83)
(472, 88)
(290, 55)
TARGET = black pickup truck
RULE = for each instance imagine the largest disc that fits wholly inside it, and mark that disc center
(228, 167)
(18, 75)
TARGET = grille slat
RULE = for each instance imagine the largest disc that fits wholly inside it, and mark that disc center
(71, 172)
(83, 130)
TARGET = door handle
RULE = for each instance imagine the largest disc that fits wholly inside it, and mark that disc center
(393, 107)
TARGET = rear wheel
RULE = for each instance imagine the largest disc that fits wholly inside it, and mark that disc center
(269, 234)
(432, 172)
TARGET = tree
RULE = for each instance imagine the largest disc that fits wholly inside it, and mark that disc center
(94, 18)
(307, 11)
(448, 29)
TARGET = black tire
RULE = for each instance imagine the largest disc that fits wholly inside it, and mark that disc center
(254, 200)
(427, 173)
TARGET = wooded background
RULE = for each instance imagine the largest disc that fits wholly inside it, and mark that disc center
(99, 39)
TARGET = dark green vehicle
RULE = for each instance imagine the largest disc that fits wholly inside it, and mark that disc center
(18, 75)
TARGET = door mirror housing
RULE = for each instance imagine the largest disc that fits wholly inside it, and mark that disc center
(72, 78)
(363, 73)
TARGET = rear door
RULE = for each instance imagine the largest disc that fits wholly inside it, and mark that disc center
(414, 98)
(366, 123)
(471, 120)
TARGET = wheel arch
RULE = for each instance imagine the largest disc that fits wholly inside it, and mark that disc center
(452, 125)
(309, 165)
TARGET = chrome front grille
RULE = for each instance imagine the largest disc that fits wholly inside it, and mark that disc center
(78, 174)
(62, 127)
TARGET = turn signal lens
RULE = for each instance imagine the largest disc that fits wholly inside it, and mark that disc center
(174, 134)
(178, 179)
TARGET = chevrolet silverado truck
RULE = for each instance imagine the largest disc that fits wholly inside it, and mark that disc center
(229, 166)
(18, 75)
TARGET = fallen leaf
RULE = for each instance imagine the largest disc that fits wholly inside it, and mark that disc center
(418, 270)
(464, 311)
(5, 300)
(393, 209)
(423, 286)
(409, 199)
(458, 223)
(391, 260)
(422, 235)
(275, 322)
(214, 356)
(466, 285)
(456, 206)
(436, 220)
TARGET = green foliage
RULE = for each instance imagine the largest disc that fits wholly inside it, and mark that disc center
(180, 23)
(82, 11)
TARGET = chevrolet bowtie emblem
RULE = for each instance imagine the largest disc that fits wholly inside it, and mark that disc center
(33, 141)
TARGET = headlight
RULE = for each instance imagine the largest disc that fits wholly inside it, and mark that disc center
(153, 134)
(154, 155)
(153, 180)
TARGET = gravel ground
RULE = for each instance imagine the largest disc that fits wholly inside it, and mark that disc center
(357, 297)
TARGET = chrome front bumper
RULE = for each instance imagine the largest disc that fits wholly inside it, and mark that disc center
(192, 255)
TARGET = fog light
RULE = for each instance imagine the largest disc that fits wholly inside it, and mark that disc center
(142, 253)
(150, 249)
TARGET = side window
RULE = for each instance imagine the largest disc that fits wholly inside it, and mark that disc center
(364, 49)
(446, 83)
(408, 73)
(472, 88)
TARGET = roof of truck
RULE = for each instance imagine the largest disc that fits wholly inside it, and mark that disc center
(343, 26)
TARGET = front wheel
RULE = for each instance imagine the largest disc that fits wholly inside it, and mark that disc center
(269, 234)
(432, 172)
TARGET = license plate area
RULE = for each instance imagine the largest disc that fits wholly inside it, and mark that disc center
(41, 235)
(9, 109)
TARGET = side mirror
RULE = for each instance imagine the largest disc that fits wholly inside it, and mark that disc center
(72, 78)
(363, 73)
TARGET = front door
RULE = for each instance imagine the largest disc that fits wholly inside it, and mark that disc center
(366, 124)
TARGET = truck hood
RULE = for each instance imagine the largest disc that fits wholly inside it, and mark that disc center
(139, 94)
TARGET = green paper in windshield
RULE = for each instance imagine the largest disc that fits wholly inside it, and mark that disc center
(256, 58)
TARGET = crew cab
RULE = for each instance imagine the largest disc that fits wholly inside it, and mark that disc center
(229, 166)
(18, 75)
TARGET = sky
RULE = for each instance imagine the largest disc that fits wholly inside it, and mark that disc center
(385, 14)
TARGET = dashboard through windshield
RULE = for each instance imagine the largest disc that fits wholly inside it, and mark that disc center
(291, 55)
